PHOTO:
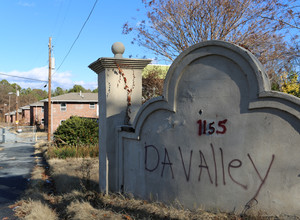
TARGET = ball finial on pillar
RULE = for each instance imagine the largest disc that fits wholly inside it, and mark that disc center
(118, 49)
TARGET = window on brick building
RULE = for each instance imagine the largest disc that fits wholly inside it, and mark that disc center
(43, 121)
(92, 105)
(63, 107)
(42, 108)
(61, 122)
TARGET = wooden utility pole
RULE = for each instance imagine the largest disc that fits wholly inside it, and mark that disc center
(9, 107)
(17, 108)
(49, 92)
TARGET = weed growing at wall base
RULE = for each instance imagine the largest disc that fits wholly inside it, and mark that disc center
(73, 151)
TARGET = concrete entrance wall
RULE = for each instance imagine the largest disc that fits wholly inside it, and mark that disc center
(218, 138)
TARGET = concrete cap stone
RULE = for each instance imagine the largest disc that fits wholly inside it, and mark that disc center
(118, 49)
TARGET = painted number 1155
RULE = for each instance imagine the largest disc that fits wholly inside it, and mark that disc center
(209, 128)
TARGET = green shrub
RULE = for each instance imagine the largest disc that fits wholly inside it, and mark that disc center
(160, 70)
(77, 131)
(152, 84)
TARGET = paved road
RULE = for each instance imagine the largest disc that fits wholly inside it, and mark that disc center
(16, 163)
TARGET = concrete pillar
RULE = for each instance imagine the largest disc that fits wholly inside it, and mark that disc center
(120, 96)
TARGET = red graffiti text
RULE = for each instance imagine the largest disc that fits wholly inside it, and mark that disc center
(209, 128)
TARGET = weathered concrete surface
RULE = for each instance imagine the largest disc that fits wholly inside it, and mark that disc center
(16, 163)
(120, 95)
(218, 139)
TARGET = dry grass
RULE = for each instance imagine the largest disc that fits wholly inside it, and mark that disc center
(84, 151)
(141, 209)
(35, 210)
(71, 174)
(68, 191)
(30, 134)
(83, 210)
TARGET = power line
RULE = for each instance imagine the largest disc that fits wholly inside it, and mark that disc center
(77, 37)
(56, 36)
(23, 77)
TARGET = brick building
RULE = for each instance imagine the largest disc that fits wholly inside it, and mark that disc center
(71, 104)
(25, 119)
(6, 118)
(37, 113)
(11, 116)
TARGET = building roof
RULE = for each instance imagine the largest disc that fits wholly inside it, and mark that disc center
(37, 104)
(26, 107)
(14, 112)
(75, 97)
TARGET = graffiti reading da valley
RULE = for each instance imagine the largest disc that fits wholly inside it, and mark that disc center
(205, 167)
(220, 172)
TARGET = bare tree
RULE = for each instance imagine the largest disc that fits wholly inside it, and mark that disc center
(265, 27)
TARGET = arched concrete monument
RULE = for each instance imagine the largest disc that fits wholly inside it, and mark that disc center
(219, 138)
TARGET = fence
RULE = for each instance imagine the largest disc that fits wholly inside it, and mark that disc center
(22, 134)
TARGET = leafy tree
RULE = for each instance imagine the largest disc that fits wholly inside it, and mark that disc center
(291, 84)
(4, 82)
(40, 94)
(27, 96)
(9, 87)
(25, 91)
(16, 87)
(5, 88)
(161, 70)
(95, 90)
(77, 131)
(77, 88)
(275, 86)
(25, 99)
(261, 26)
(59, 91)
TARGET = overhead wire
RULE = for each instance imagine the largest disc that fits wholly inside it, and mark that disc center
(57, 35)
(69, 51)
(23, 77)
(56, 21)
(57, 16)
(77, 37)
